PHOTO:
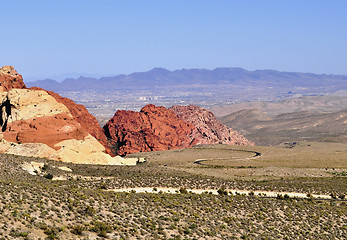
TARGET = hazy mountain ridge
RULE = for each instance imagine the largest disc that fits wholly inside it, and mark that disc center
(160, 77)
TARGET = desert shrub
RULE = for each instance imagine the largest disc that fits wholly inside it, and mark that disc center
(78, 230)
(49, 176)
(89, 210)
(16, 233)
(286, 196)
(45, 167)
(333, 195)
(103, 186)
(52, 232)
(280, 196)
(222, 191)
(100, 227)
(183, 191)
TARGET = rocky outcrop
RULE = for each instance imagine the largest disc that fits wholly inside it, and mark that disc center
(33, 116)
(158, 128)
(86, 151)
(151, 129)
(24, 104)
(208, 129)
(82, 116)
(89, 151)
(47, 130)
(30, 150)
(9, 79)
(38, 123)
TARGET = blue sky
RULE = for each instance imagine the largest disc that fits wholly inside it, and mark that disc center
(45, 38)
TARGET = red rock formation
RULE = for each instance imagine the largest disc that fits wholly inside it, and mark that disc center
(9, 78)
(37, 117)
(151, 129)
(209, 130)
(81, 115)
(48, 129)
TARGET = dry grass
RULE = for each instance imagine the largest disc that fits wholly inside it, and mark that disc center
(301, 155)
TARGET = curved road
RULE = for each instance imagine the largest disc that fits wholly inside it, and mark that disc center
(256, 154)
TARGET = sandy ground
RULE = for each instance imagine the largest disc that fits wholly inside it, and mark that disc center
(215, 192)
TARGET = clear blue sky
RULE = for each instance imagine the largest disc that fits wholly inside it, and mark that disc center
(44, 38)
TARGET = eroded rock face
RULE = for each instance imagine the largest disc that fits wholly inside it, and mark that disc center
(9, 79)
(49, 130)
(38, 123)
(151, 129)
(24, 104)
(82, 116)
(89, 151)
(31, 150)
(33, 116)
(208, 129)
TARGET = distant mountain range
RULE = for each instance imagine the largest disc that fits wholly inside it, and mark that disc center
(160, 77)
(61, 77)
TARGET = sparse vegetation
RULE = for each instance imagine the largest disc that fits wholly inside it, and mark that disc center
(82, 206)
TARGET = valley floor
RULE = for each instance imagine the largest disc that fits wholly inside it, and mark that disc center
(85, 205)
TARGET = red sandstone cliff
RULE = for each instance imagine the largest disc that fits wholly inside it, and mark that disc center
(31, 116)
(158, 128)
(49, 130)
(38, 123)
(151, 129)
(81, 115)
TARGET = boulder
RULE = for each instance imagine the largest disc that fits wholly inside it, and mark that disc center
(9, 79)
(33, 168)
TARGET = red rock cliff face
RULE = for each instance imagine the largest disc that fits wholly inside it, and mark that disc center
(30, 116)
(74, 123)
(82, 116)
(9, 79)
(151, 129)
(49, 130)
(209, 130)
(33, 116)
